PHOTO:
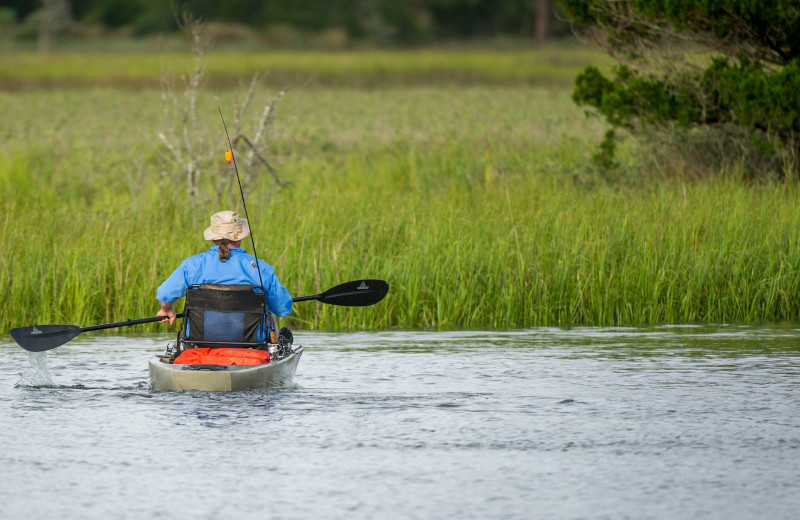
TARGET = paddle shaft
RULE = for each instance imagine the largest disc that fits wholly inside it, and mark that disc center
(323, 296)
(140, 321)
(127, 323)
(306, 298)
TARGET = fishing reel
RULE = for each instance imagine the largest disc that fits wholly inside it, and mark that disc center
(283, 347)
(279, 350)
(171, 352)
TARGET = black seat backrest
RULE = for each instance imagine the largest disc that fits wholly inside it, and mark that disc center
(223, 314)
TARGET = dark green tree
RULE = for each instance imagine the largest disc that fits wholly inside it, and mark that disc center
(387, 22)
(728, 65)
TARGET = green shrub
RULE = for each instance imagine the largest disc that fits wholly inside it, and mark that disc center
(746, 81)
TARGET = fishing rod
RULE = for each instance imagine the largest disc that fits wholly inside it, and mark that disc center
(241, 192)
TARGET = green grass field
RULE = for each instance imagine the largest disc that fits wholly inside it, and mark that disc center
(476, 199)
(547, 66)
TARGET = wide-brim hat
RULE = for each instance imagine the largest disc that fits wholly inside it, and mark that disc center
(227, 224)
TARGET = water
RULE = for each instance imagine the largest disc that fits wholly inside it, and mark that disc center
(669, 422)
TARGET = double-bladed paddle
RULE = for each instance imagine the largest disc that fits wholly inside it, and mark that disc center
(38, 338)
(351, 294)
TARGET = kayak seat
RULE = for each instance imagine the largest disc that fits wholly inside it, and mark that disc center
(224, 315)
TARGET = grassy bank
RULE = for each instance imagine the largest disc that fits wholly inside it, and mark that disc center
(478, 204)
(542, 66)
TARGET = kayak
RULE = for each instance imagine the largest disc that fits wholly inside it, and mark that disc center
(166, 376)
(268, 365)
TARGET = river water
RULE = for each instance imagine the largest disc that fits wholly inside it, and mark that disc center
(667, 422)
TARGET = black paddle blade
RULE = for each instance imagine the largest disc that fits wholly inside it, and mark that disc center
(359, 293)
(39, 338)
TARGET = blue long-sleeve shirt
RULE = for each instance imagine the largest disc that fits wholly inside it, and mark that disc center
(240, 268)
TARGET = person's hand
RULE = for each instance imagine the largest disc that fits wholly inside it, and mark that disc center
(168, 313)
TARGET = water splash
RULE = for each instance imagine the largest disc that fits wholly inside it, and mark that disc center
(38, 375)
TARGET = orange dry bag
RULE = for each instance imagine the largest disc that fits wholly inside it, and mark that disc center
(222, 356)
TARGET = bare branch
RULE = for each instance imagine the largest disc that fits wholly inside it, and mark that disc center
(240, 109)
(186, 136)
(266, 163)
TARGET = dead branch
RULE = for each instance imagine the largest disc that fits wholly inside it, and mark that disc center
(263, 160)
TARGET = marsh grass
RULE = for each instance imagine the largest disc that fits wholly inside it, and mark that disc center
(541, 66)
(479, 205)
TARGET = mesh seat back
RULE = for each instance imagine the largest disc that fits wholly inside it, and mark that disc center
(224, 313)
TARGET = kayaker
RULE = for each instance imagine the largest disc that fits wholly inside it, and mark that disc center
(224, 263)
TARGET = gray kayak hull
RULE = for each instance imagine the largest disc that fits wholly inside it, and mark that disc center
(165, 377)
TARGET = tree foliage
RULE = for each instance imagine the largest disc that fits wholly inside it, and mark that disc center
(745, 78)
(385, 21)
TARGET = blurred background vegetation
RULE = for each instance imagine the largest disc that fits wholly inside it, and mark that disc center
(297, 24)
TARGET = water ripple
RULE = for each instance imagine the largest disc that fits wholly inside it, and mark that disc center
(659, 422)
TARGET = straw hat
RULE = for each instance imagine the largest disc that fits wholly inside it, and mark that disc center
(227, 224)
